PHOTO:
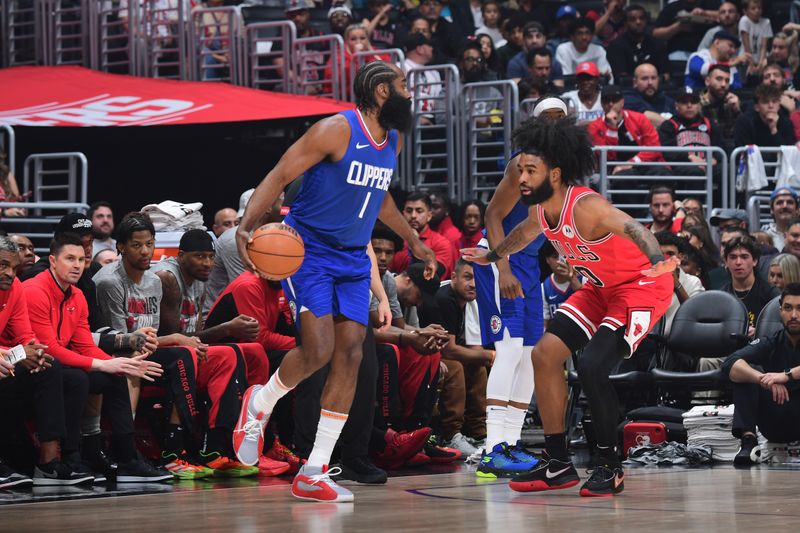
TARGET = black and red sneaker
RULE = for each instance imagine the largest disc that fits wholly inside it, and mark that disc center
(548, 474)
(606, 480)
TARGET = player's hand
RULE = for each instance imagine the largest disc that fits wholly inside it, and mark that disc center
(662, 267)
(36, 360)
(243, 328)
(148, 370)
(384, 315)
(6, 368)
(780, 394)
(193, 342)
(426, 255)
(151, 339)
(510, 286)
(243, 238)
(475, 255)
(773, 378)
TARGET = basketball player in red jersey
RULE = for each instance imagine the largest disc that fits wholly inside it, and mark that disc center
(608, 317)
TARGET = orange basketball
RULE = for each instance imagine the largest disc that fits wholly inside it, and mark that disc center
(276, 250)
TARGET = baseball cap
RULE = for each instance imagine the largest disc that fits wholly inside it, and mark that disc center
(588, 68)
(686, 92)
(728, 214)
(243, 199)
(533, 27)
(566, 11)
(297, 5)
(611, 92)
(780, 191)
(429, 287)
(340, 9)
(74, 223)
(416, 39)
(728, 36)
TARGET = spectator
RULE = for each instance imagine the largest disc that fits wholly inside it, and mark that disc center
(9, 190)
(719, 104)
(382, 28)
(565, 18)
(692, 263)
(463, 399)
(783, 270)
(764, 241)
(469, 219)
(102, 226)
(764, 125)
(728, 22)
(580, 49)
(471, 69)
(693, 206)
(27, 257)
(783, 208)
(647, 98)
(559, 285)
(520, 65)
(444, 35)
(784, 53)
(297, 11)
(339, 18)
(620, 127)
(356, 40)
(59, 318)
(104, 257)
(540, 68)
(489, 52)
(688, 127)
(492, 19)
(682, 23)
(466, 14)
(699, 238)
(611, 23)
(441, 222)
(661, 199)
(741, 258)
(635, 46)
(417, 211)
(531, 89)
(216, 42)
(765, 376)
(773, 74)
(419, 52)
(513, 29)
(722, 50)
(685, 285)
(224, 219)
(755, 31)
(585, 100)
(792, 238)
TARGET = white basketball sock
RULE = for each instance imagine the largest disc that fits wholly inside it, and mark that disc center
(273, 391)
(495, 425)
(512, 429)
(328, 431)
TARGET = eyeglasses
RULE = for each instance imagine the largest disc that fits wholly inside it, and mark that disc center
(471, 59)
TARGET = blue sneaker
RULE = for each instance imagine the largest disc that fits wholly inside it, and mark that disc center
(519, 451)
(500, 462)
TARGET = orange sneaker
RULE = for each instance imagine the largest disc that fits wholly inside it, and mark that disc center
(226, 467)
(281, 452)
(270, 467)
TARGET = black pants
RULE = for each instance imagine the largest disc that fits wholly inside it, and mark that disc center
(42, 395)
(180, 378)
(754, 406)
(354, 440)
(116, 409)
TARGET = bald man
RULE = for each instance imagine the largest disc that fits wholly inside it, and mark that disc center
(647, 98)
(27, 256)
(223, 219)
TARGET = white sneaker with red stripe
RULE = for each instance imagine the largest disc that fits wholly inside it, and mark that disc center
(315, 484)
(248, 435)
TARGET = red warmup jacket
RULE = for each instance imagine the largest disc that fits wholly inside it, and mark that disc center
(640, 131)
(15, 326)
(445, 253)
(252, 296)
(60, 319)
(449, 231)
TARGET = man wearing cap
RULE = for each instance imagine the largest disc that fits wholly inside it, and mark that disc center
(722, 50)
(682, 23)
(580, 49)
(419, 52)
(445, 36)
(645, 97)
(621, 127)
(719, 103)
(298, 12)
(520, 65)
(688, 127)
(339, 18)
(565, 17)
(635, 46)
(585, 100)
(783, 207)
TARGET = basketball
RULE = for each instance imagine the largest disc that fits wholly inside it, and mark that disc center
(276, 250)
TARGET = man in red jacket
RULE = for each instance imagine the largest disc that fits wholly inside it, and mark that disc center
(417, 211)
(59, 318)
(621, 127)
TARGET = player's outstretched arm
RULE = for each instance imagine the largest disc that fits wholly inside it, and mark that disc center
(503, 201)
(376, 286)
(327, 138)
(517, 239)
(612, 220)
(391, 216)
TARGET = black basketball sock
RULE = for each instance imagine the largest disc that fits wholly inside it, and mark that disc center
(556, 446)
(607, 455)
(173, 442)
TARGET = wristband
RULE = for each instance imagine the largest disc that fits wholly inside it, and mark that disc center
(16, 354)
(656, 258)
(678, 287)
(492, 257)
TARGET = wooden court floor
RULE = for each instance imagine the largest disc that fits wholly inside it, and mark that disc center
(674, 499)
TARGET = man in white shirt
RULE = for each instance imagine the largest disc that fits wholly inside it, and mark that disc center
(728, 21)
(419, 52)
(580, 49)
(585, 100)
(783, 206)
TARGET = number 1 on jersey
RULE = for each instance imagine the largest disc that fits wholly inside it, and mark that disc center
(364, 207)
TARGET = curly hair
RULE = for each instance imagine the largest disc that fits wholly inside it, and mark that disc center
(560, 144)
(368, 77)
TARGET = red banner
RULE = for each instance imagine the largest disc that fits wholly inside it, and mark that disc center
(76, 96)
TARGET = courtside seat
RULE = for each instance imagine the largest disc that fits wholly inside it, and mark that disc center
(769, 319)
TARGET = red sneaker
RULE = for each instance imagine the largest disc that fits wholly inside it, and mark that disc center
(281, 452)
(440, 454)
(400, 447)
(270, 467)
(419, 459)
(315, 484)
(248, 435)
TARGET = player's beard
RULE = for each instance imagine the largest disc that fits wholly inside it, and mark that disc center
(395, 114)
(538, 195)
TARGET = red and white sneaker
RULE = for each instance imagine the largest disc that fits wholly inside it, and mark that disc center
(270, 467)
(248, 435)
(315, 484)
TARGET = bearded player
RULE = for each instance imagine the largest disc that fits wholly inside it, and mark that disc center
(348, 161)
(608, 317)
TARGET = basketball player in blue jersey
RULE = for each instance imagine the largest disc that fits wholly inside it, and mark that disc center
(510, 316)
(348, 161)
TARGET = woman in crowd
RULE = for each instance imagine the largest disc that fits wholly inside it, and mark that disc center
(784, 269)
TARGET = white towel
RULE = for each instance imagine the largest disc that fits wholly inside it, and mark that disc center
(788, 174)
(750, 174)
(175, 216)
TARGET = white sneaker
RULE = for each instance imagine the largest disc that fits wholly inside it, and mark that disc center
(460, 443)
(475, 458)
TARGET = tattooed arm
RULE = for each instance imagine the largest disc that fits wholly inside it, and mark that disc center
(517, 239)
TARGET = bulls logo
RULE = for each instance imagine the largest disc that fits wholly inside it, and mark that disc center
(293, 309)
(638, 326)
(568, 231)
(495, 324)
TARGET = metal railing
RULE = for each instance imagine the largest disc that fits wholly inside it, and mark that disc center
(113, 46)
(267, 52)
(8, 144)
(21, 19)
(215, 44)
(163, 37)
(318, 66)
(392, 55)
(630, 187)
(55, 179)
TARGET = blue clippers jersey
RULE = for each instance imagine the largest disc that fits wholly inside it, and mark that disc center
(553, 296)
(339, 201)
